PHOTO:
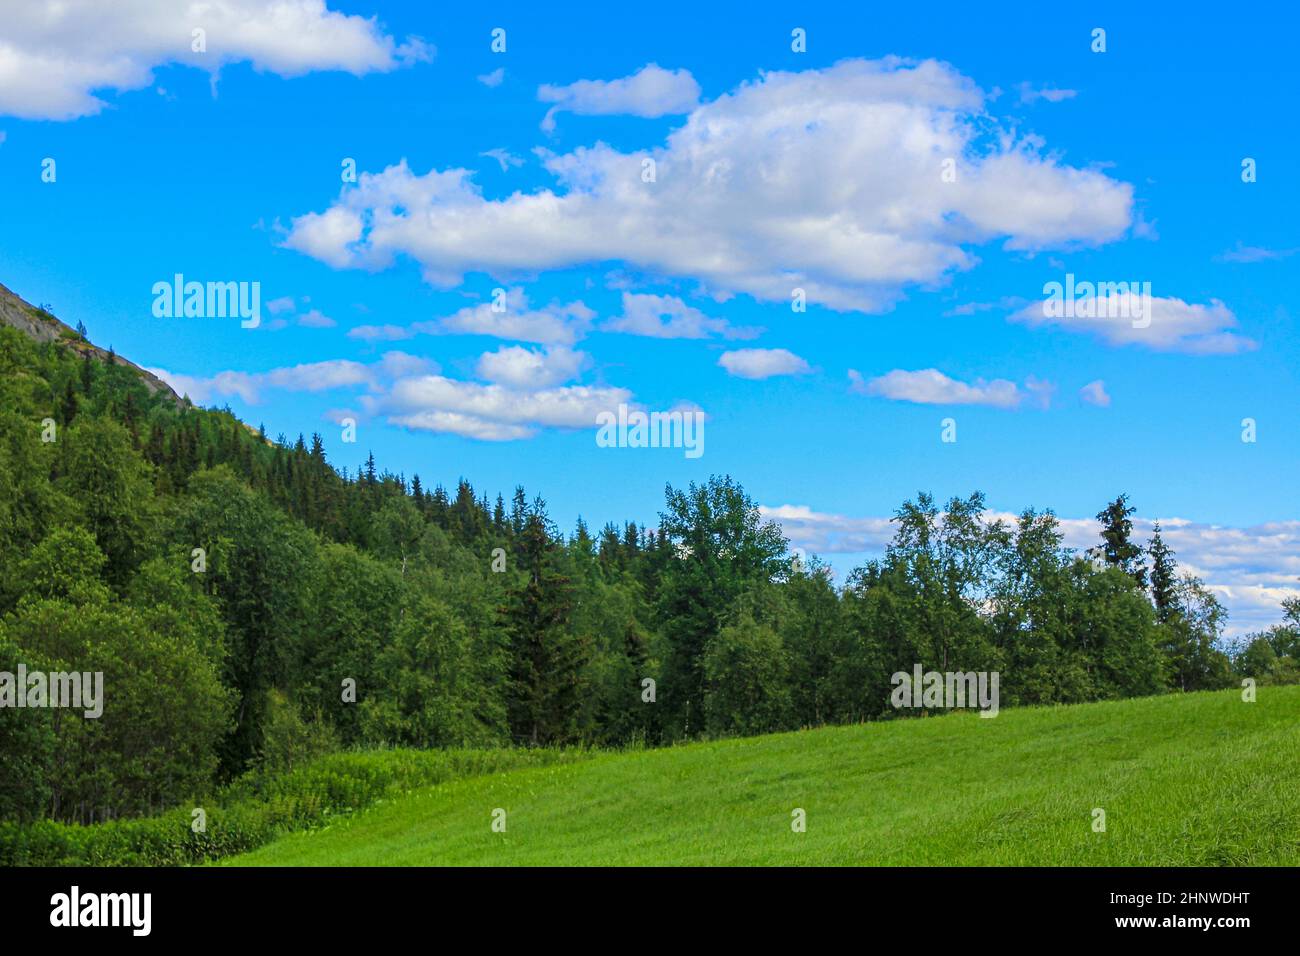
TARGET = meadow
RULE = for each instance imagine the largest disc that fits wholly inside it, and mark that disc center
(1201, 779)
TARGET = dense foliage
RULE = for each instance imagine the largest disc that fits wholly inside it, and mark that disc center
(252, 608)
(261, 807)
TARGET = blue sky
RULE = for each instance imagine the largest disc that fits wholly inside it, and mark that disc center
(775, 170)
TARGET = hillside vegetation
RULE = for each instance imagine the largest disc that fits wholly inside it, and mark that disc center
(1190, 780)
(251, 607)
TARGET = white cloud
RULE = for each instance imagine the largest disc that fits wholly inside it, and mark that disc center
(1028, 94)
(523, 394)
(974, 308)
(311, 319)
(494, 78)
(1239, 253)
(492, 412)
(827, 180)
(308, 377)
(553, 324)
(762, 363)
(401, 365)
(504, 158)
(315, 319)
(650, 92)
(932, 387)
(56, 58)
(381, 333)
(668, 317)
(405, 390)
(1039, 392)
(1250, 569)
(197, 388)
(1166, 325)
(518, 367)
(821, 533)
(1094, 393)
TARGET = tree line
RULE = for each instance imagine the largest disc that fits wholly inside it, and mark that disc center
(251, 606)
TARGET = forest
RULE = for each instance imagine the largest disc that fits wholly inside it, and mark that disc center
(252, 606)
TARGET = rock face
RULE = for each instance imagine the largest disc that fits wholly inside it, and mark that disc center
(44, 327)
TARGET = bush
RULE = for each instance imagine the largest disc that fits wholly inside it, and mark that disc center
(257, 809)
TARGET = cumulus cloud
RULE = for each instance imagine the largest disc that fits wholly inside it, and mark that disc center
(308, 377)
(519, 367)
(650, 92)
(932, 387)
(56, 58)
(284, 307)
(494, 78)
(521, 396)
(553, 324)
(1094, 393)
(762, 363)
(827, 180)
(521, 393)
(492, 412)
(668, 317)
(822, 533)
(1165, 325)
(1250, 569)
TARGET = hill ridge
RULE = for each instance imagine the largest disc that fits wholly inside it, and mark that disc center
(43, 326)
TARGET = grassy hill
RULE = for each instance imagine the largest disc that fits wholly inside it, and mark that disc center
(1198, 779)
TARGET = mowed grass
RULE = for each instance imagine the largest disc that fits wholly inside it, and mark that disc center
(1185, 780)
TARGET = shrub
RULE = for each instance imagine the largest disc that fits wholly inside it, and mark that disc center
(257, 809)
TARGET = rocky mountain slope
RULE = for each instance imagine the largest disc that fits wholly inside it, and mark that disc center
(44, 327)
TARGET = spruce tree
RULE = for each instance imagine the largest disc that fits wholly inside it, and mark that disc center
(547, 658)
(1164, 577)
(1117, 549)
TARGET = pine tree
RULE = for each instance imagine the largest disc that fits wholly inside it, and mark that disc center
(1117, 549)
(69, 405)
(547, 658)
(518, 511)
(1164, 577)
(87, 373)
(439, 506)
(611, 548)
(467, 519)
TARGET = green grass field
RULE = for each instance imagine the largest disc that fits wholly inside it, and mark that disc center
(1198, 779)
